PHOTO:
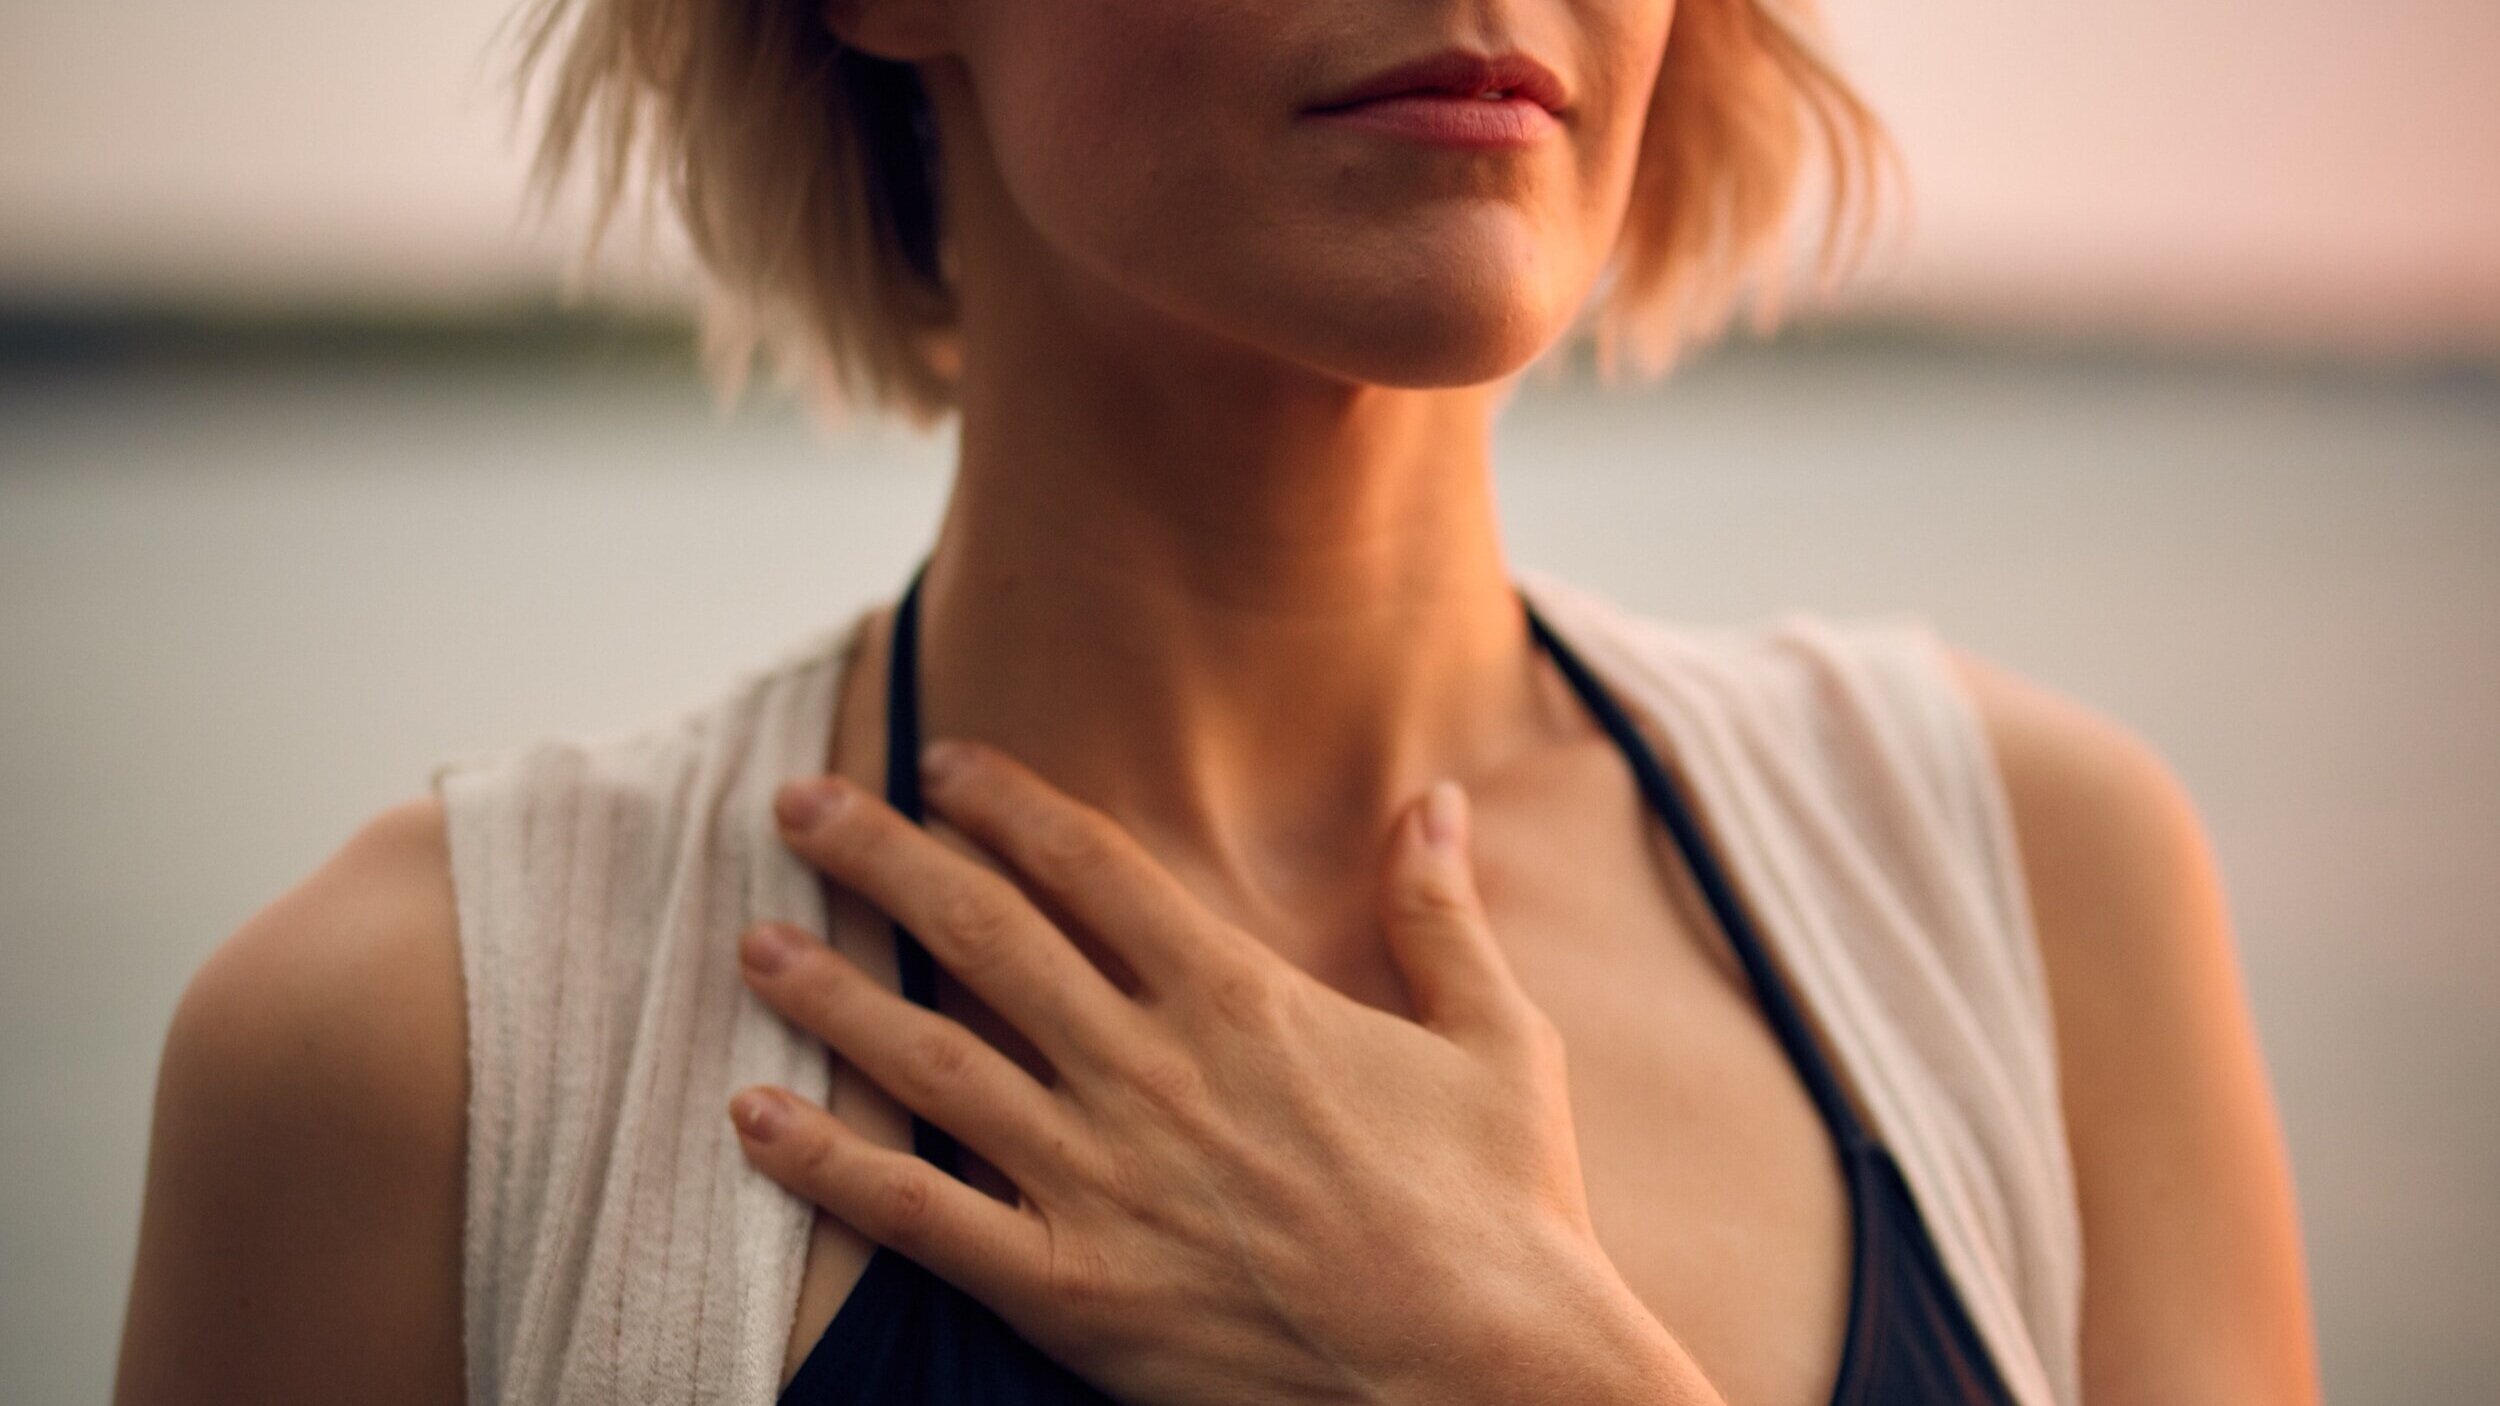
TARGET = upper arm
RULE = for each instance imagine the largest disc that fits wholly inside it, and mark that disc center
(2194, 1288)
(300, 1238)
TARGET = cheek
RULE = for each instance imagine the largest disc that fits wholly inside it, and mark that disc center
(1119, 125)
(1622, 47)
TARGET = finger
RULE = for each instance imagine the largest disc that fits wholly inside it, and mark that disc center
(1086, 863)
(1455, 971)
(962, 1234)
(973, 920)
(931, 1064)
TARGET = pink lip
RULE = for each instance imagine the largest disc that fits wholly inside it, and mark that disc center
(1459, 73)
(1440, 99)
(1441, 119)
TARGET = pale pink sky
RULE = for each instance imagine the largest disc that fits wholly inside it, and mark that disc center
(2303, 171)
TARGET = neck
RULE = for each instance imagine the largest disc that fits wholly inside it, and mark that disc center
(1250, 625)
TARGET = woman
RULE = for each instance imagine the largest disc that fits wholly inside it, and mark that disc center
(1906, 1055)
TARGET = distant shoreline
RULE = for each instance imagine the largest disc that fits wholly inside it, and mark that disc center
(36, 336)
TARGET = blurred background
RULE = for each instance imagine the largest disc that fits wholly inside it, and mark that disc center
(2179, 390)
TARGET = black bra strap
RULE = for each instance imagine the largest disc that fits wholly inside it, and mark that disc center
(918, 972)
(1668, 800)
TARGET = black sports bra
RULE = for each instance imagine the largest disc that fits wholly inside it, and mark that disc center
(905, 1337)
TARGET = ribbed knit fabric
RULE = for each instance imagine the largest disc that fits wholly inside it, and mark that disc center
(619, 1246)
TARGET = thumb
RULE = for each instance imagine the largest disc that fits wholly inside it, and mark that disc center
(1434, 919)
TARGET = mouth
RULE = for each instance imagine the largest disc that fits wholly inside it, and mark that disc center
(1509, 77)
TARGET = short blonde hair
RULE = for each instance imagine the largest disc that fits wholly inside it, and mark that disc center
(804, 174)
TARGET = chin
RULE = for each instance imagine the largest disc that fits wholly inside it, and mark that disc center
(1434, 342)
(1441, 367)
(1432, 319)
(1439, 316)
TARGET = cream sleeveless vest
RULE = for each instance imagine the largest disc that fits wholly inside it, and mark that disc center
(620, 1248)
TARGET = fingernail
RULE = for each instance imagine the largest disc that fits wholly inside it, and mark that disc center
(939, 759)
(767, 948)
(1444, 814)
(803, 803)
(757, 1113)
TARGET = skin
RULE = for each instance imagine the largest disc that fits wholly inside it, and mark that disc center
(1227, 424)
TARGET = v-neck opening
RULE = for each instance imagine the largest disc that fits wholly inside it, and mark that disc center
(1669, 799)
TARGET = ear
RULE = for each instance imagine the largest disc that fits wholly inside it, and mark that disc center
(905, 31)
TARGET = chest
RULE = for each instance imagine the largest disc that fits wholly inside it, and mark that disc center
(1711, 1179)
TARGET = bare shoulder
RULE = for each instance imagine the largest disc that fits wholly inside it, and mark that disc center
(2194, 1283)
(2095, 806)
(301, 1232)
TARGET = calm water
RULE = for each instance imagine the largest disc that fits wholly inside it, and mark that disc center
(243, 608)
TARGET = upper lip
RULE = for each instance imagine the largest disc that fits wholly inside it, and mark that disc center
(1460, 72)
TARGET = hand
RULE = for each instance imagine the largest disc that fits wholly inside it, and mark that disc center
(1242, 1185)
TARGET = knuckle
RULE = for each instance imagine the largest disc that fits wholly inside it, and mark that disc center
(978, 921)
(1434, 900)
(1081, 1278)
(849, 826)
(1169, 1081)
(901, 1202)
(1071, 847)
(1247, 997)
(938, 1057)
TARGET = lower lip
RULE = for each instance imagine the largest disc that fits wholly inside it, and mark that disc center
(1476, 124)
